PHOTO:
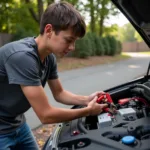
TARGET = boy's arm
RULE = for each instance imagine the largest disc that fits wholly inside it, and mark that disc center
(47, 113)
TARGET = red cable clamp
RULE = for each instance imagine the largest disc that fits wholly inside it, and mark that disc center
(105, 98)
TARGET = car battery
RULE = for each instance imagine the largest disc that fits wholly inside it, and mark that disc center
(127, 112)
(104, 120)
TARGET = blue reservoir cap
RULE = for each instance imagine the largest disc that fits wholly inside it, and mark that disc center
(128, 139)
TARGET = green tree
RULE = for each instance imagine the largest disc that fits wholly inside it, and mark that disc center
(128, 33)
(6, 16)
(90, 7)
(24, 26)
(16, 19)
(112, 30)
(99, 11)
(104, 9)
(22, 17)
(36, 12)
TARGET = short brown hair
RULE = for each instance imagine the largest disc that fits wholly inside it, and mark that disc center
(62, 16)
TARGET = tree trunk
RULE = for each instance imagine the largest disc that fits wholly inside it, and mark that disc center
(40, 9)
(36, 17)
(102, 17)
(92, 23)
(101, 24)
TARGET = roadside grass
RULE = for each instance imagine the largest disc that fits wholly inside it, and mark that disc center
(68, 63)
(144, 52)
(147, 52)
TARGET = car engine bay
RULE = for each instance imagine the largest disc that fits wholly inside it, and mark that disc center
(127, 128)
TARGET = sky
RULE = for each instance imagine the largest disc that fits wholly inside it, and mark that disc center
(119, 19)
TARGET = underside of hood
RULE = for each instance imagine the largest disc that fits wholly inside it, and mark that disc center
(138, 13)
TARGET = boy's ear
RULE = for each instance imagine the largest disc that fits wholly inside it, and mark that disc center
(48, 30)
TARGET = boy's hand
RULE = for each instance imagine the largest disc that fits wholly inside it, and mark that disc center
(95, 108)
(92, 96)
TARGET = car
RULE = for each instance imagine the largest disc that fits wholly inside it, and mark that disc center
(127, 126)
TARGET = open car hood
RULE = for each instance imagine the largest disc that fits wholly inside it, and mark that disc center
(138, 13)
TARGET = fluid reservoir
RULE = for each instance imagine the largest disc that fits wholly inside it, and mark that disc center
(128, 140)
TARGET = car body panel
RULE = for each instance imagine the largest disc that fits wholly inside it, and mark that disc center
(137, 12)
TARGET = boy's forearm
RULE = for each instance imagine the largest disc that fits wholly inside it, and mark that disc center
(69, 98)
(57, 115)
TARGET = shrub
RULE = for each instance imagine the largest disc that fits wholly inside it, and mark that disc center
(113, 45)
(106, 45)
(22, 33)
(82, 48)
(119, 47)
(91, 37)
(99, 46)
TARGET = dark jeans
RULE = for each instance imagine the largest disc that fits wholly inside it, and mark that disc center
(20, 139)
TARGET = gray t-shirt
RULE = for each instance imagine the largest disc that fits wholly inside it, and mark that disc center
(20, 65)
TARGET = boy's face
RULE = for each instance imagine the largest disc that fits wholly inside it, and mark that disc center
(62, 43)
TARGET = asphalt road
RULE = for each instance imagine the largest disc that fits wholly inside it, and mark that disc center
(88, 80)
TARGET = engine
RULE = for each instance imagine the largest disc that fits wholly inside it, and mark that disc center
(130, 125)
(127, 126)
(129, 109)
